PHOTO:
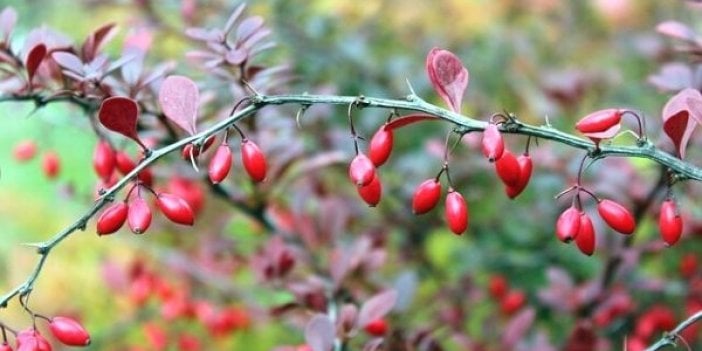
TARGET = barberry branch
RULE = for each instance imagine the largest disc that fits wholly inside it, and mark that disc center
(682, 169)
(668, 339)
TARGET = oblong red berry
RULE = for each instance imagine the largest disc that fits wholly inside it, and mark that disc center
(512, 302)
(497, 286)
(599, 121)
(361, 170)
(568, 224)
(125, 165)
(525, 170)
(456, 212)
(585, 240)
(175, 208)
(493, 144)
(5, 347)
(220, 164)
(254, 160)
(426, 196)
(372, 192)
(51, 164)
(104, 161)
(24, 150)
(377, 327)
(508, 169)
(112, 218)
(69, 332)
(670, 223)
(616, 216)
(138, 216)
(380, 146)
(31, 340)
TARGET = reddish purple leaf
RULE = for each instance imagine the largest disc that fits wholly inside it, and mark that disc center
(582, 338)
(673, 77)
(34, 59)
(373, 345)
(677, 30)
(517, 328)
(376, 307)
(96, 41)
(677, 123)
(8, 18)
(448, 76)
(408, 119)
(179, 98)
(320, 333)
(68, 61)
(119, 114)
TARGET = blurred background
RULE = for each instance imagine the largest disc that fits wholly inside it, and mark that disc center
(547, 61)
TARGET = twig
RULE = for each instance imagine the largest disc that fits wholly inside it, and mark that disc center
(668, 339)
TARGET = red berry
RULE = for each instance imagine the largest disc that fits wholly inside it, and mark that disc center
(512, 302)
(688, 265)
(616, 216)
(253, 159)
(508, 169)
(456, 212)
(377, 327)
(125, 165)
(525, 169)
(585, 240)
(635, 343)
(426, 196)
(51, 164)
(5, 347)
(69, 331)
(669, 222)
(138, 216)
(190, 148)
(104, 161)
(372, 192)
(24, 150)
(175, 208)
(189, 190)
(220, 164)
(380, 146)
(361, 170)
(187, 342)
(599, 121)
(112, 218)
(497, 286)
(568, 224)
(31, 340)
(493, 144)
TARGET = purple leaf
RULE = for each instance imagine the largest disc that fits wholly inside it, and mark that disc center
(203, 34)
(119, 114)
(672, 77)
(233, 17)
(8, 18)
(517, 328)
(236, 56)
(376, 307)
(68, 61)
(96, 41)
(319, 333)
(179, 98)
(675, 29)
(248, 27)
(34, 59)
(119, 63)
(448, 76)
(583, 337)
(677, 123)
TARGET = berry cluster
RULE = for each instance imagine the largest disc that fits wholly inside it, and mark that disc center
(66, 330)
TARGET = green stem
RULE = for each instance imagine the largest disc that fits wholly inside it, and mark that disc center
(466, 124)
